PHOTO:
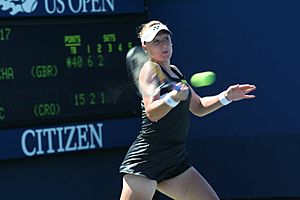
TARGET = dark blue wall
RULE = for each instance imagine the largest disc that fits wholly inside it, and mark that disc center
(249, 148)
(78, 176)
(243, 42)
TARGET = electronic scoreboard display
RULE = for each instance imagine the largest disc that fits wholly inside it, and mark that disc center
(63, 76)
(65, 70)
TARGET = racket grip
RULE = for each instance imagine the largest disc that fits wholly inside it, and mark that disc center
(176, 87)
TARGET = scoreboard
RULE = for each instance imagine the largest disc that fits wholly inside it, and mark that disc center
(63, 78)
(64, 71)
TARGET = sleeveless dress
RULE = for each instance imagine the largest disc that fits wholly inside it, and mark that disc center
(159, 151)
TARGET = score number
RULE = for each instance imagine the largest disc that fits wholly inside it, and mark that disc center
(4, 33)
(90, 98)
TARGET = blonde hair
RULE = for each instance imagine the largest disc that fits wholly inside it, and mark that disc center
(144, 27)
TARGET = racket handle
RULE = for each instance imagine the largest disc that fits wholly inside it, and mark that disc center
(176, 87)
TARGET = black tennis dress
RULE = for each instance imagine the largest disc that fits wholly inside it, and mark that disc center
(159, 151)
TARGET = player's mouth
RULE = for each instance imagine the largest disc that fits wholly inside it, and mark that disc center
(165, 52)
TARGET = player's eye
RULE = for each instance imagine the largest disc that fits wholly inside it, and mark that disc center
(156, 42)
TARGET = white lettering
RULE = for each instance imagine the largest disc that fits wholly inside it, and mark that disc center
(72, 8)
(23, 143)
(62, 9)
(61, 139)
(48, 132)
(40, 144)
(48, 9)
(110, 3)
(82, 137)
(84, 5)
(79, 6)
(55, 7)
(70, 138)
(96, 135)
(94, 6)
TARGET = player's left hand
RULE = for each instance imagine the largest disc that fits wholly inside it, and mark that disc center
(238, 92)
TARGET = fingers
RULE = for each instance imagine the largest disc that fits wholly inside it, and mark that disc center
(246, 87)
(240, 91)
(182, 91)
(249, 96)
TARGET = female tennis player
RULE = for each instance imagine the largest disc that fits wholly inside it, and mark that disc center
(158, 159)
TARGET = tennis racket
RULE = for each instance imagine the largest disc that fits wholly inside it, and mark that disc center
(135, 60)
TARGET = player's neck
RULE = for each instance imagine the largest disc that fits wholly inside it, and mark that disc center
(164, 64)
(167, 69)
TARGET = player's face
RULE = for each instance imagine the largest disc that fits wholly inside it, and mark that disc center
(160, 48)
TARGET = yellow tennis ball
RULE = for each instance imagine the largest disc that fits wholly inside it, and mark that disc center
(203, 79)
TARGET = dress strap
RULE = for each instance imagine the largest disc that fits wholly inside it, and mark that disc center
(180, 77)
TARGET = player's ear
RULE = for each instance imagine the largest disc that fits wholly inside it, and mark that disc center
(144, 47)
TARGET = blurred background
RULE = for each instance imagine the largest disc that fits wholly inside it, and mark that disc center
(247, 150)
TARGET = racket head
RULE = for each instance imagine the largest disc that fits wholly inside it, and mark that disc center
(136, 57)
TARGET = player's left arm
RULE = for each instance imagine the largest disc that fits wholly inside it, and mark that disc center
(201, 106)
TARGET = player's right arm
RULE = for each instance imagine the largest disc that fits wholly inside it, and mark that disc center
(155, 106)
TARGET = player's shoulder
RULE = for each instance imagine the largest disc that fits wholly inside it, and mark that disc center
(149, 67)
(150, 63)
(147, 70)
